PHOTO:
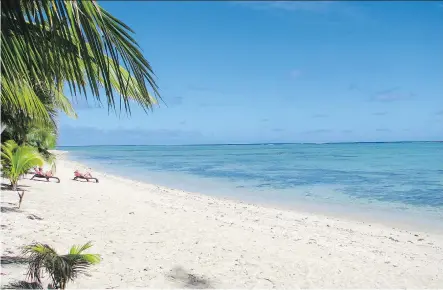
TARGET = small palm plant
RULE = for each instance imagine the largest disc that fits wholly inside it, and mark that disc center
(17, 160)
(61, 268)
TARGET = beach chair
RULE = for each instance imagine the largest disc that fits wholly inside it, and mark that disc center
(38, 173)
(86, 176)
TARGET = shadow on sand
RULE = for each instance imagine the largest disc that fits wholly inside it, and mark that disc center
(22, 285)
(5, 209)
(7, 260)
(7, 187)
(15, 260)
(187, 280)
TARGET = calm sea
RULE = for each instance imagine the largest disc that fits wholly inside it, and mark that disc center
(401, 181)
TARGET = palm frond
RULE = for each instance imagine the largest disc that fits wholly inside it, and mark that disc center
(74, 41)
(78, 249)
(17, 160)
(20, 97)
(38, 255)
(61, 268)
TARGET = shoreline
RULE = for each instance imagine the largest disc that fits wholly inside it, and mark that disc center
(154, 236)
(361, 214)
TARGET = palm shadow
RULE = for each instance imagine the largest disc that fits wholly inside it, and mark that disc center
(23, 285)
(7, 260)
(16, 260)
(187, 280)
(7, 187)
(5, 209)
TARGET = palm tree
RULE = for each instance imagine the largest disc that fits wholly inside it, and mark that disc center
(41, 137)
(17, 160)
(18, 122)
(48, 43)
(61, 268)
(37, 132)
(44, 138)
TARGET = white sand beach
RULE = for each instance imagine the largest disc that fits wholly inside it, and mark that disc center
(154, 237)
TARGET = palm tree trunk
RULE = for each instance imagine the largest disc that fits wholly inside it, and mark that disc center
(14, 185)
(3, 127)
(20, 196)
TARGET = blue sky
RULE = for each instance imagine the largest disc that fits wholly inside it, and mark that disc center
(252, 72)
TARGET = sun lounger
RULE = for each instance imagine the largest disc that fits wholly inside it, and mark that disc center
(86, 176)
(47, 177)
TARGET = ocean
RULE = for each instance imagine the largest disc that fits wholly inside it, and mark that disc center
(400, 181)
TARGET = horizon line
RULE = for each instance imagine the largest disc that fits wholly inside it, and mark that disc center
(261, 143)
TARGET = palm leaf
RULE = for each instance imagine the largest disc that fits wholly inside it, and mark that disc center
(38, 255)
(17, 160)
(61, 268)
(73, 41)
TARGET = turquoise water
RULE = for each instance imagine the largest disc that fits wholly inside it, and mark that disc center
(376, 177)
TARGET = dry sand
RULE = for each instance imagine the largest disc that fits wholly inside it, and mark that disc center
(155, 237)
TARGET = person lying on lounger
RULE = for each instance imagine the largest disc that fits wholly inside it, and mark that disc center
(38, 170)
(86, 176)
(39, 173)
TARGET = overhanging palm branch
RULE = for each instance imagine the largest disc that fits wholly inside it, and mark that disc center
(74, 41)
(61, 268)
(19, 97)
(19, 124)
